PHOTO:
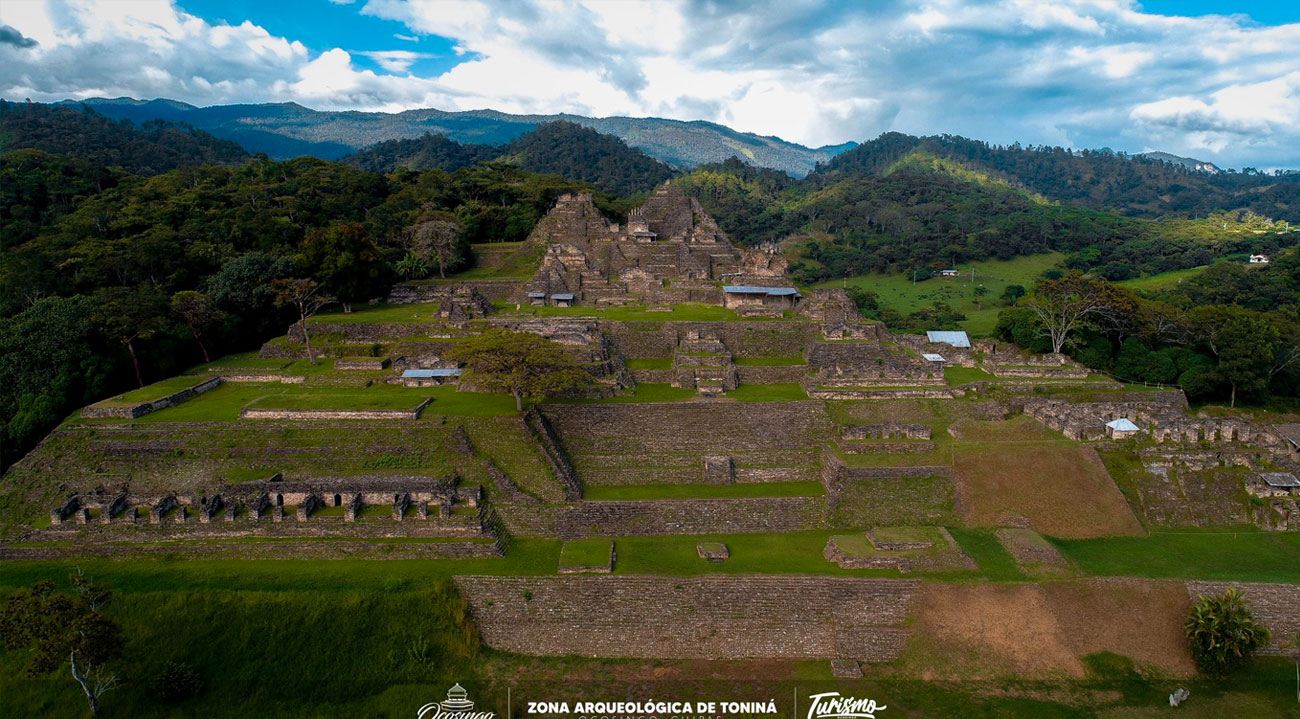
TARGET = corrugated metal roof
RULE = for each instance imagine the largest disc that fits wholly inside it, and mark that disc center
(564, 296)
(752, 290)
(933, 358)
(1123, 424)
(536, 294)
(1279, 479)
(425, 373)
(956, 339)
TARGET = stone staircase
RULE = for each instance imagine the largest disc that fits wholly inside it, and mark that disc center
(703, 362)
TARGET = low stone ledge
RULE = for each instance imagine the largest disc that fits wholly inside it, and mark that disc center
(317, 414)
(141, 409)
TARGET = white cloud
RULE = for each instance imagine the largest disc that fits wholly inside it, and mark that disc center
(1080, 72)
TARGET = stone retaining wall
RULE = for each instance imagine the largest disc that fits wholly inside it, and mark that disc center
(317, 414)
(139, 410)
(714, 617)
(667, 516)
(774, 338)
(1276, 606)
(792, 374)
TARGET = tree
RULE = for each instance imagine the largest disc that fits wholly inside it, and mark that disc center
(1223, 633)
(126, 315)
(1243, 341)
(60, 628)
(306, 298)
(980, 291)
(1063, 305)
(346, 263)
(1012, 294)
(436, 242)
(521, 363)
(243, 285)
(196, 310)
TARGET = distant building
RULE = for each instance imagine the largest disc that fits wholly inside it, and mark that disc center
(735, 296)
(948, 273)
(952, 339)
(429, 377)
(1259, 259)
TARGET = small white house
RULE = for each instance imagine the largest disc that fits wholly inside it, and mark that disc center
(1121, 428)
(948, 273)
(1259, 259)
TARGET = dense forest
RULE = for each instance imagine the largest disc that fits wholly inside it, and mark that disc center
(110, 278)
(130, 252)
(147, 149)
(555, 148)
(1096, 179)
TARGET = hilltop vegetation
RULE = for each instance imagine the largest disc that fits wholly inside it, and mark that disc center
(287, 130)
(555, 148)
(152, 147)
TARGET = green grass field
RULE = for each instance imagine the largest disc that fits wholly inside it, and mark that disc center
(224, 403)
(1162, 281)
(1249, 555)
(650, 363)
(706, 491)
(898, 292)
(791, 361)
(151, 392)
(585, 553)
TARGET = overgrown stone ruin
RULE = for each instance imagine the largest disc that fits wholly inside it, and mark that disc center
(669, 252)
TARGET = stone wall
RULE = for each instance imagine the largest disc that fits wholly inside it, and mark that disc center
(143, 408)
(792, 374)
(885, 431)
(1274, 605)
(713, 617)
(667, 516)
(775, 338)
(319, 414)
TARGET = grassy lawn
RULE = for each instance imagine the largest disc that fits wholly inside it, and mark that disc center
(706, 491)
(225, 402)
(154, 391)
(650, 363)
(962, 375)
(898, 292)
(376, 397)
(644, 392)
(1248, 556)
(585, 553)
(243, 361)
(768, 393)
(1162, 281)
(689, 312)
(379, 313)
(791, 361)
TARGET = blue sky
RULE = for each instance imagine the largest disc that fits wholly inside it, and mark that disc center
(1219, 81)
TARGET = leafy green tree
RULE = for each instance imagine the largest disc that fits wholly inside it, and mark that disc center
(411, 267)
(58, 628)
(306, 298)
(198, 313)
(346, 263)
(521, 363)
(1012, 294)
(128, 315)
(1222, 632)
(1243, 341)
(1066, 304)
(243, 284)
(980, 291)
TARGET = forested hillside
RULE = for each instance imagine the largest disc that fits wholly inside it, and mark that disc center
(1098, 179)
(555, 148)
(112, 278)
(154, 146)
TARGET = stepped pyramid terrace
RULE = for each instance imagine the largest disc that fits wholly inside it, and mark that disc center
(754, 472)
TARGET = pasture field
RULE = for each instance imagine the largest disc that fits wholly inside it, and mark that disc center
(899, 292)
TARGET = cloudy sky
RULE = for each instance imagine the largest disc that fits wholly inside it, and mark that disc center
(1218, 81)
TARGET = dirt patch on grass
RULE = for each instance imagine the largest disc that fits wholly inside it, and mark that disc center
(1138, 618)
(987, 631)
(1019, 428)
(1032, 552)
(1060, 490)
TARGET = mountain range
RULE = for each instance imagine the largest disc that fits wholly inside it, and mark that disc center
(288, 130)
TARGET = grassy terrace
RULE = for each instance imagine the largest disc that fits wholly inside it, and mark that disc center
(898, 292)
(791, 361)
(1162, 281)
(151, 392)
(705, 491)
(224, 403)
(585, 553)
